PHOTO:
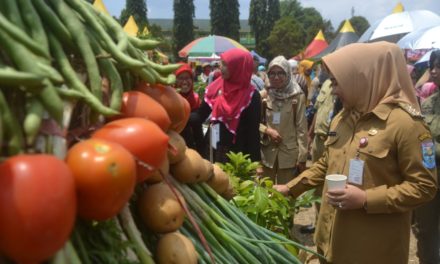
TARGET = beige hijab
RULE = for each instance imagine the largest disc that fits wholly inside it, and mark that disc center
(291, 88)
(371, 74)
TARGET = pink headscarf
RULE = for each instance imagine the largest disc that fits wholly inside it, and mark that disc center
(426, 90)
(228, 98)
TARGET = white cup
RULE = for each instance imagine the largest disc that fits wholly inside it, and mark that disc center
(336, 181)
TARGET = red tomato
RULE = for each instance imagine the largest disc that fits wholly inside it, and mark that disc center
(37, 207)
(178, 127)
(137, 104)
(105, 176)
(169, 99)
(143, 138)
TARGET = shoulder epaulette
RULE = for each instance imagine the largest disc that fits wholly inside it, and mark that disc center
(411, 110)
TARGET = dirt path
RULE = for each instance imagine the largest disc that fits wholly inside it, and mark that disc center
(307, 215)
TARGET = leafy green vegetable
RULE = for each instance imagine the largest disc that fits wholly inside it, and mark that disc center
(102, 242)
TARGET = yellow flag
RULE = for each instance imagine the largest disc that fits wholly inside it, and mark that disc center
(98, 4)
(398, 8)
(347, 27)
(131, 28)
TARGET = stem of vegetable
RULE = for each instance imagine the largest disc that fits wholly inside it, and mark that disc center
(134, 235)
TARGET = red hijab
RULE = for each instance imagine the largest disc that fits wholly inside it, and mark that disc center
(190, 96)
(228, 98)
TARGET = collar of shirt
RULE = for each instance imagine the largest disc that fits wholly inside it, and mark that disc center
(382, 111)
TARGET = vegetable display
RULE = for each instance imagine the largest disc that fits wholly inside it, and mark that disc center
(93, 168)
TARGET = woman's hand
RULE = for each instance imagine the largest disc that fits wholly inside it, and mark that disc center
(349, 198)
(283, 189)
(273, 134)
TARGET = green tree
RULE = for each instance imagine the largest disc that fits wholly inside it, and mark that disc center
(286, 38)
(183, 28)
(257, 22)
(262, 17)
(137, 9)
(360, 24)
(309, 19)
(290, 8)
(328, 30)
(225, 18)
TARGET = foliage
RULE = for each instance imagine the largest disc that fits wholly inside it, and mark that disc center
(291, 8)
(311, 21)
(286, 38)
(102, 242)
(183, 29)
(308, 19)
(225, 18)
(262, 17)
(360, 24)
(199, 88)
(256, 197)
(138, 9)
(307, 199)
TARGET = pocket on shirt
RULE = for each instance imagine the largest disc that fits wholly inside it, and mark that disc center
(378, 151)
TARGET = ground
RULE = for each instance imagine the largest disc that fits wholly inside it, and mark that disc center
(307, 215)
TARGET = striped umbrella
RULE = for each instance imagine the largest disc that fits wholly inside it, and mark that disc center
(209, 46)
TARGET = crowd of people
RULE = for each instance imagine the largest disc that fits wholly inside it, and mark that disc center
(361, 112)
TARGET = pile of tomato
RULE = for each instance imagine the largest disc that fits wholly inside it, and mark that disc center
(41, 195)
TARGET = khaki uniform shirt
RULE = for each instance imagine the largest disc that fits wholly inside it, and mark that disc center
(292, 127)
(324, 106)
(394, 178)
(431, 111)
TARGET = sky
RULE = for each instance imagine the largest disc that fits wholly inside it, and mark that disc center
(335, 10)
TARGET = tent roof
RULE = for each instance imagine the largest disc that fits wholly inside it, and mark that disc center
(398, 8)
(131, 28)
(98, 4)
(317, 45)
(346, 36)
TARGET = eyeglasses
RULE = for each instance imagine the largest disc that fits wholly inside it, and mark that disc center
(280, 74)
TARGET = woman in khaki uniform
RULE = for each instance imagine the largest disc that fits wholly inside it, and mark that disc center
(379, 140)
(284, 146)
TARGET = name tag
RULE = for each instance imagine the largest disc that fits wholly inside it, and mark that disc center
(356, 171)
(276, 118)
(215, 135)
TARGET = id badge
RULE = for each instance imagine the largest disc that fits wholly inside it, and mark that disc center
(215, 135)
(356, 171)
(276, 118)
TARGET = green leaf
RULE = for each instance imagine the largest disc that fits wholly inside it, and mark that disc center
(261, 199)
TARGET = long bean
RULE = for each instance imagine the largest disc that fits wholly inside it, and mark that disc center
(109, 70)
(78, 33)
(74, 81)
(33, 23)
(15, 32)
(25, 61)
(11, 128)
(52, 21)
(120, 56)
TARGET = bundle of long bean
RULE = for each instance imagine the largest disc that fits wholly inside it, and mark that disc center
(61, 50)
(233, 237)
